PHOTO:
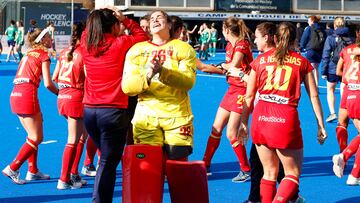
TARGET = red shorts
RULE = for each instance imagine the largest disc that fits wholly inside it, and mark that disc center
(233, 99)
(24, 99)
(344, 97)
(352, 104)
(276, 126)
(70, 102)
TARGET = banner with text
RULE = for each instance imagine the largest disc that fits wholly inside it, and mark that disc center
(262, 6)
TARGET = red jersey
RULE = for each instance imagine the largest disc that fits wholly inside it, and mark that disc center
(280, 84)
(104, 71)
(30, 67)
(71, 73)
(242, 46)
(350, 68)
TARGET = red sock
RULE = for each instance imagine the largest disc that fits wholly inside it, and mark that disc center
(68, 159)
(212, 145)
(267, 190)
(32, 162)
(90, 151)
(75, 164)
(352, 148)
(341, 136)
(240, 152)
(287, 188)
(356, 168)
(25, 152)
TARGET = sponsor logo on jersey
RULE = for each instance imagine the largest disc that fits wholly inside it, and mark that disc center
(16, 94)
(63, 85)
(351, 97)
(64, 96)
(353, 86)
(274, 98)
(271, 119)
(21, 80)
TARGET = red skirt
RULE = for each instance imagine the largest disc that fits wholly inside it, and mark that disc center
(353, 104)
(276, 126)
(24, 99)
(233, 99)
(344, 97)
(70, 102)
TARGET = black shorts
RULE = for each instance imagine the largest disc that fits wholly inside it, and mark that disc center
(11, 42)
(333, 78)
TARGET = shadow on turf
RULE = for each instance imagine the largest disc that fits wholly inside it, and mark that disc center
(351, 199)
(8, 72)
(312, 166)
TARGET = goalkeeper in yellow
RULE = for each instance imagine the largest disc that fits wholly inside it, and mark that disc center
(161, 72)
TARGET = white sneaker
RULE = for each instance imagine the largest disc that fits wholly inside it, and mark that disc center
(89, 170)
(352, 180)
(37, 176)
(13, 175)
(339, 164)
(241, 177)
(77, 178)
(68, 185)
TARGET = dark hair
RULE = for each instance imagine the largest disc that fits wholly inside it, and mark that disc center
(32, 22)
(285, 34)
(50, 23)
(21, 23)
(77, 30)
(12, 22)
(98, 23)
(168, 20)
(269, 29)
(177, 23)
(236, 27)
(357, 41)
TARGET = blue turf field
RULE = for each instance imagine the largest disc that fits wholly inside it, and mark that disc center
(317, 183)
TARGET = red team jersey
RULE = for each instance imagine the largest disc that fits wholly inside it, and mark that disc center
(71, 84)
(275, 120)
(234, 96)
(352, 77)
(30, 67)
(24, 97)
(242, 46)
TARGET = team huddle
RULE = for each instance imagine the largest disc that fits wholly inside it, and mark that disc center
(133, 89)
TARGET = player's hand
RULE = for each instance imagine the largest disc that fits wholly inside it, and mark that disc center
(321, 135)
(117, 13)
(155, 67)
(243, 134)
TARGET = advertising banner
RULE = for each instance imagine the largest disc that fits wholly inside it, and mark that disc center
(247, 6)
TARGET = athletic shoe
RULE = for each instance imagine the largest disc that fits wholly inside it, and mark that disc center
(208, 171)
(89, 170)
(339, 164)
(37, 176)
(68, 185)
(352, 180)
(13, 175)
(241, 177)
(331, 117)
(77, 179)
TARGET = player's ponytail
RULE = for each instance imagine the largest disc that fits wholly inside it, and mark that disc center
(98, 23)
(75, 38)
(243, 30)
(285, 37)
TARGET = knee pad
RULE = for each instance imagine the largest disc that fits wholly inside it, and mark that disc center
(177, 152)
(187, 181)
(143, 173)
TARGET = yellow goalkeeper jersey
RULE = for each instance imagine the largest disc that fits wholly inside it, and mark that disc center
(167, 94)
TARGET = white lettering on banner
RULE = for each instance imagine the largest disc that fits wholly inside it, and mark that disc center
(274, 98)
(59, 20)
(267, 16)
(272, 119)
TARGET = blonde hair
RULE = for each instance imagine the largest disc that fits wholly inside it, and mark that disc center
(339, 22)
(31, 38)
(285, 34)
